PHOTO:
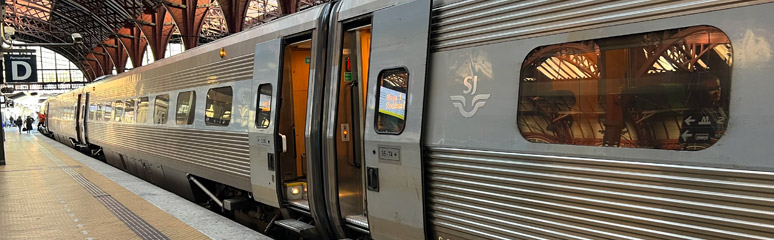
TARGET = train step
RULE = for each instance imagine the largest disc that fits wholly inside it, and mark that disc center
(357, 222)
(295, 226)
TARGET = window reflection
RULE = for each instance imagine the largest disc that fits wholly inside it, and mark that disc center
(186, 105)
(393, 89)
(263, 115)
(663, 90)
(218, 106)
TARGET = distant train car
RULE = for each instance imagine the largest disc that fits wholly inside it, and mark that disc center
(459, 119)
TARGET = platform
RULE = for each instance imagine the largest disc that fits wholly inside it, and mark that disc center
(49, 191)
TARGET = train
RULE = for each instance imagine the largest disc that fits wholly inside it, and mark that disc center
(459, 119)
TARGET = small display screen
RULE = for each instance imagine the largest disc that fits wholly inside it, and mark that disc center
(392, 103)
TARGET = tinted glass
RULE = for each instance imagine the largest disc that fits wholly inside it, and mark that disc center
(263, 116)
(662, 90)
(142, 110)
(161, 109)
(108, 111)
(119, 114)
(92, 111)
(186, 108)
(99, 113)
(392, 92)
(129, 111)
(218, 108)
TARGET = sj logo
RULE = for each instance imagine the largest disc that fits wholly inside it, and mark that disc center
(478, 101)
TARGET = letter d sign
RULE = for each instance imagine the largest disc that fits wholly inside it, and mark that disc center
(20, 69)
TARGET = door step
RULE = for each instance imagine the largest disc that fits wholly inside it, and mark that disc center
(302, 204)
(357, 222)
(294, 225)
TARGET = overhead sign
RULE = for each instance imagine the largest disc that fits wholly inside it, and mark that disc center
(20, 68)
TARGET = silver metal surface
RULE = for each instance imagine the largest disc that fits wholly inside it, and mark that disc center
(511, 195)
(294, 225)
(314, 122)
(300, 203)
(473, 23)
(357, 221)
(329, 120)
(263, 180)
(399, 39)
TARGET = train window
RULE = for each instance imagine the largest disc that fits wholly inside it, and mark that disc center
(161, 109)
(263, 116)
(119, 113)
(108, 111)
(92, 111)
(218, 106)
(186, 108)
(129, 111)
(142, 110)
(100, 109)
(392, 92)
(661, 90)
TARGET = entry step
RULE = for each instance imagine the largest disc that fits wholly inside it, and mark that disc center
(358, 221)
(294, 225)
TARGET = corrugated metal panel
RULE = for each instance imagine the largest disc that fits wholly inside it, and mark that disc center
(229, 70)
(227, 152)
(471, 23)
(508, 195)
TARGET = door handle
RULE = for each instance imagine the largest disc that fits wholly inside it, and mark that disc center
(284, 142)
(372, 179)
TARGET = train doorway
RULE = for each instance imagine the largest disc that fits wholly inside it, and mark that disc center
(292, 122)
(343, 147)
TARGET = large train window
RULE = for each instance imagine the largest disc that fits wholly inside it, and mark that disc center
(218, 107)
(100, 111)
(92, 111)
(119, 114)
(263, 115)
(391, 114)
(129, 111)
(662, 90)
(108, 111)
(142, 110)
(186, 108)
(161, 109)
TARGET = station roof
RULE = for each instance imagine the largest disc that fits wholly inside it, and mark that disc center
(116, 31)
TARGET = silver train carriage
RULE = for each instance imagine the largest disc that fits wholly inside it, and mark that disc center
(460, 119)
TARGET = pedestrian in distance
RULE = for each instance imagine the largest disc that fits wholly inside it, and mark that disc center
(19, 123)
(28, 124)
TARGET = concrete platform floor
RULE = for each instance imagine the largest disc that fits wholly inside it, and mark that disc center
(49, 191)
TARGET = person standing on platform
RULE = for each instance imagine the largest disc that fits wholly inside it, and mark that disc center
(19, 123)
(28, 124)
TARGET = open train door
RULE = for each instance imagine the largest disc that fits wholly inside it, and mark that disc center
(263, 143)
(393, 159)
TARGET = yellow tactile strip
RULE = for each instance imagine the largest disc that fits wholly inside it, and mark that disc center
(40, 200)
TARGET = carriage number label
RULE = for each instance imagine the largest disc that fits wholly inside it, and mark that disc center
(263, 140)
(389, 153)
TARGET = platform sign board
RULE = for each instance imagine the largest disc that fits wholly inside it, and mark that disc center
(20, 68)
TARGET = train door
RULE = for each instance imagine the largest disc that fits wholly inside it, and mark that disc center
(288, 81)
(280, 122)
(78, 111)
(344, 127)
(84, 119)
(393, 122)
